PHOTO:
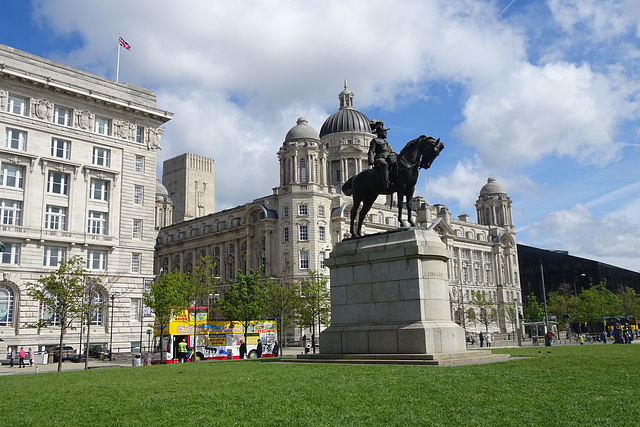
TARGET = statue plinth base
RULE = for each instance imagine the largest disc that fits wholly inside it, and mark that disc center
(390, 295)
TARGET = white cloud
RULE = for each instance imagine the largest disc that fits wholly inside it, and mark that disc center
(582, 234)
(558, 109)
(604, 20)
(237, 75)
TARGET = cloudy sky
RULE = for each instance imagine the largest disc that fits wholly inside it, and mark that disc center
(542, 95)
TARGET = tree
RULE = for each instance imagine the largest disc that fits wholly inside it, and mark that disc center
(598, 302)
(315, 303)
(487, 312)
(629, 301)
(61, 295)
(533, 311)
(511, 315)
(244, 301)
(198, 286)
(166, 294)
(90, 307)
(562, 302)
(282, 298)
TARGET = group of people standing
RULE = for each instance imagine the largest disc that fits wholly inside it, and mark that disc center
(22, 354)
(485, 337)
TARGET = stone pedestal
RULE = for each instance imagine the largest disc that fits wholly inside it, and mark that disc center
(390, 295)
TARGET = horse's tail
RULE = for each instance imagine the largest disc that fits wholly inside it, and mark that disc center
(347, 188)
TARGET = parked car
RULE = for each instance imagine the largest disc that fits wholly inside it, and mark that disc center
(95, 350)
(68, 353)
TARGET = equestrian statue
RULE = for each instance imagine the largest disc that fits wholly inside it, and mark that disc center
(390, 173)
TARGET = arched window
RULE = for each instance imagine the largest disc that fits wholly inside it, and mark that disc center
(230, 222)
(96, 302)
(46, 314)
(303, 170)
(216, 226)
(380, 218)
(6, 306)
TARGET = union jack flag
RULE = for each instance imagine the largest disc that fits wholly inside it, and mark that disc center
(124, 44)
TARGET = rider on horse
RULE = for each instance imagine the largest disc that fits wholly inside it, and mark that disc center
(381, 155)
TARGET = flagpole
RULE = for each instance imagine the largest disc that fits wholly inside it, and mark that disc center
(118, 63)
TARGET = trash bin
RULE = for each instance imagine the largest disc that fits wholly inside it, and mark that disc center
(136, 360)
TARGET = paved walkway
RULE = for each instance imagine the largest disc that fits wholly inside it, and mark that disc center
(122, 360)
(125, 359)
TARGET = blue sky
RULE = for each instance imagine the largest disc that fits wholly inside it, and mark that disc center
(541, 95)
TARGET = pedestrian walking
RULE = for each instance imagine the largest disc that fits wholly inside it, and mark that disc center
(487, 338)
(12, 356)
(30, 357)
(22, 355)
(481, 339)
(259, 348)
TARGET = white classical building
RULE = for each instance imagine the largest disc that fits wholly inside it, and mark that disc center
(77, 178)
(293, 230)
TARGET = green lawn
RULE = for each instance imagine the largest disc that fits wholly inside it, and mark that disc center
(555, 386)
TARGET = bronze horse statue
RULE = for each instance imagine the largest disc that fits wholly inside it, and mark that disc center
(367, 185)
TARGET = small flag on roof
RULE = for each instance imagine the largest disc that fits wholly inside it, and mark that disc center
(124, 44)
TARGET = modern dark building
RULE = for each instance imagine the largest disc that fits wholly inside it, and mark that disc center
(560, 267)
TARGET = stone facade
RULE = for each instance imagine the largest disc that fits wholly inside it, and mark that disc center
(389, 295)
(78, 154)
(292, 231)
(190, 181)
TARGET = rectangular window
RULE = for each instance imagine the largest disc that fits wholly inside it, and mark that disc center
(139, 164)
(53, 256)
(321, 260)
(58, 183)
(135, 309)
(135, 263)
(304, 232)
(60, 148)
(139, 134)
(102, 126)
(138, 194)
(16, 139)
(62, 116)
(10, 212)
(11, 254)
(11, 176)
(97, 223)
(304, 260)
(55, 218)
(303, 210)
(321, 233)
(18, 105)
(99, 190)
(286, 234)
(101, 157)
(137, 229)
(96, 260)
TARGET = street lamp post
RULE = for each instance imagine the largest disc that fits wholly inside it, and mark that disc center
(113, 297)
(544, 294)
(575, 291)
(149, 332)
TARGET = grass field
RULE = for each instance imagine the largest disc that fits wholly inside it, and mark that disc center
(554, 386)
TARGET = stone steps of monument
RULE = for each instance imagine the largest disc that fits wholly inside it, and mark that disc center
(442, 359)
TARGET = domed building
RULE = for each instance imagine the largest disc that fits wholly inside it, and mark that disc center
(291, 232)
